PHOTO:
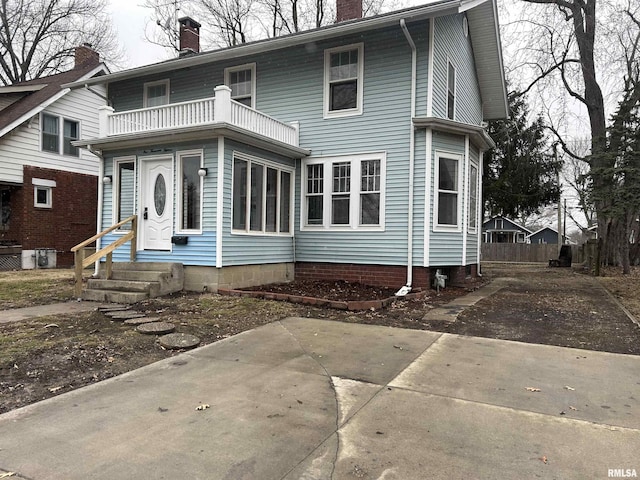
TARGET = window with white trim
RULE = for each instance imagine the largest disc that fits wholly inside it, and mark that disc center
(448, 175)
(43, 192)
(57, 131)
(190, 192)
(343, 80)
(242, 81)
(156, 93)
(344, 192)
(262, 196)
(473, 197)
(451, 91)
(124, 184)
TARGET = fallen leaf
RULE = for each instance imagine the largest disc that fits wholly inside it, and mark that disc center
(567, 387)
(544, 459)
(573, 408)
(8, 474)
(533, 389)
(52, 325)
(55, 389)
(204, 406)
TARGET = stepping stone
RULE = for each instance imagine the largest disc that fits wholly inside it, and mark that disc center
(141, 320)
(112, 308)
(126, 315)
(156, 328)
(179, 341)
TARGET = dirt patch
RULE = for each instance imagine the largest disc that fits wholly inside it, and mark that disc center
(51, 355)
(340, 290)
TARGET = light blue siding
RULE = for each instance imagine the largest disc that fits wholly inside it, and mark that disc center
(473, 238)
(451, 44)
(248, 249)
(201, 248)
(289, 87)
(445, 247)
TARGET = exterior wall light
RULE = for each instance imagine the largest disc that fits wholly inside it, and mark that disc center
(203, 172)
(106, 180)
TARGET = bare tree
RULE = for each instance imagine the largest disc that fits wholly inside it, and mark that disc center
(38, 38)
(232, 22)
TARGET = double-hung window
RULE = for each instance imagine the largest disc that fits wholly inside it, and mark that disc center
(451, 91)
(190, 191)
(242, 81)
(59, 132)
(156, 93)
(447, 198)
(344, 192)
(473, 197)
(262, 196)
(343, 83)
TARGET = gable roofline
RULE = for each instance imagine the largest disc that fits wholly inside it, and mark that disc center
(508, 220)
(485, 37)
(55, 95)
(21, 88)
(542, 229)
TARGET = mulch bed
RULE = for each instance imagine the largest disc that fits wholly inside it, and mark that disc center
(339, 294)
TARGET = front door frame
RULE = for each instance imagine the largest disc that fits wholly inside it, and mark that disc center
(145, 194)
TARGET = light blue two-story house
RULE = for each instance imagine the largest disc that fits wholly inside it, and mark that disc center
(352, 151)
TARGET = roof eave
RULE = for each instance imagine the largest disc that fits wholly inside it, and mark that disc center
(478, 136)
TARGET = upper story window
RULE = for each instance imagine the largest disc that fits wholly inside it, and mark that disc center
(156, 93)
(447, 200)
(499, 224)
(343, 80)
(344, 192)
(451, 91)
(190, 193)
(262, 196)
(242, 81)
(473, 197)
(57, 131)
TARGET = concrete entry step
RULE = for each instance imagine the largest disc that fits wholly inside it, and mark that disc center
(132, 282)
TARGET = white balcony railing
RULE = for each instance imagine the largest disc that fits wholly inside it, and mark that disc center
(194, 113)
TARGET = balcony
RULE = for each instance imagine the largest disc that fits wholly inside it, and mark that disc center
(218, 110)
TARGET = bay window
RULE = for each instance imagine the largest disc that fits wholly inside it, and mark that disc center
(446, 199)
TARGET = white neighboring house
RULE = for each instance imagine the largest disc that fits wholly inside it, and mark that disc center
(48, 187)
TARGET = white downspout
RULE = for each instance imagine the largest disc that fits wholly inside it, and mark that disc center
(100, 199)
(414, 60)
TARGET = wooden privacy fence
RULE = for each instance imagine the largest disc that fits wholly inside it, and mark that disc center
(525, 252)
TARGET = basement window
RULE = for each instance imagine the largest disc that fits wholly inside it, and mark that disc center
(42, 192)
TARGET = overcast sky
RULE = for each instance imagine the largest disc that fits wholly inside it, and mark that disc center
(129, 20)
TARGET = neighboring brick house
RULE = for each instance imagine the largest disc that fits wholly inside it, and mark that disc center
(48, 187)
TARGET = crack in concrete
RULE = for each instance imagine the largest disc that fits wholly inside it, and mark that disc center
(337, 406)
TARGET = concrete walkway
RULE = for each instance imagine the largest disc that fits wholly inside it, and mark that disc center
(17, 314)
(315, 399)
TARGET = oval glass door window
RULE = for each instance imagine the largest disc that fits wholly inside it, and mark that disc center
(160, 194)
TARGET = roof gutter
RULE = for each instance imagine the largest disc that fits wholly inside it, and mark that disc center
(414, 60)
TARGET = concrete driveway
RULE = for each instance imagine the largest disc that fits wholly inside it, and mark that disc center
(314, 399)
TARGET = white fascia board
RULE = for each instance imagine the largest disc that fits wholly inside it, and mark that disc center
(444, 7)
(478, 135)
(22, 88)
(33, 111)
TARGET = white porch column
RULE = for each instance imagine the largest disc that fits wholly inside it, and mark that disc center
(222, 105)
(103, 120)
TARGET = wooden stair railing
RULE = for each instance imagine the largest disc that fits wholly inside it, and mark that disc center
(81, 263)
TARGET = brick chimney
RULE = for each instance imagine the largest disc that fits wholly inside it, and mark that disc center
(189, 35)
(348, 10)
(85, 55)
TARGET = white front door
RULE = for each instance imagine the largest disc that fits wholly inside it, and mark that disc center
(156, 203)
